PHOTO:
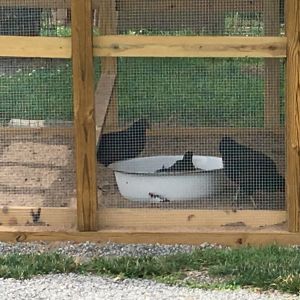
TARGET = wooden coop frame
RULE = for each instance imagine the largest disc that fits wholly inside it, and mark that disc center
(82, 47)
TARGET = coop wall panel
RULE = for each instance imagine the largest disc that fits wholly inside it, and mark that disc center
(36, 148)
(179, 161)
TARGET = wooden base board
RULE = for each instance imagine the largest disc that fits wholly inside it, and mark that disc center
(151, 226)
(151, 218)
(163, 237)
(141, 219)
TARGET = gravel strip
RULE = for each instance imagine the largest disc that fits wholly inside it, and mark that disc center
(74, 286)
(89, 250)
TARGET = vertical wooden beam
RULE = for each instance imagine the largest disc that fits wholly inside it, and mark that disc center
(272, 68)
(293, 112)
(84, 114)
(108, 26)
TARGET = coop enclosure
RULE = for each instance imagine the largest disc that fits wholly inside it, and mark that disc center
(74, 72)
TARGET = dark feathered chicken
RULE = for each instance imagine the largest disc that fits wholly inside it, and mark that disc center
(184, 164)
(251, 170)
(122, 145)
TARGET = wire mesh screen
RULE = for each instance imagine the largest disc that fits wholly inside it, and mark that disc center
(37, 19)
(189, 105)
(205, 17)
(36, 148)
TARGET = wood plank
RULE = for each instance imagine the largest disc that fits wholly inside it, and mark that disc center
(272, 68)
(293, 112)
(158, 218)
(102, 98)
(189, 46)
(43, 3)
(42, 131)
(35, 46)
(84, 114)
(231, 238)
(108, 26)
(143, 46)
(50, 216)
(272, 93)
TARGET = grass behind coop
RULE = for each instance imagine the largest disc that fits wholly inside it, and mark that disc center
(206, 95)
(197, 92)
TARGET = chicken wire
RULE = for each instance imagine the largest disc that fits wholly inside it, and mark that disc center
(36, 19)
(37, 147)
(191, 103)
(205, 17)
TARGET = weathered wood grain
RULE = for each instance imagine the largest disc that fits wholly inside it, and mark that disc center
(84, 114)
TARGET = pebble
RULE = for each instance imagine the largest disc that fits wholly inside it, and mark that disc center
(89, 250)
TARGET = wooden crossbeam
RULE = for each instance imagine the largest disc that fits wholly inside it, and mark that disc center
(156, 218)
(34, 46)
(148, 46)
(222, 237)
(189, 46)
(190, 218)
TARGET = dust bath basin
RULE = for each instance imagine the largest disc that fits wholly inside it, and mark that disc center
(138, 180)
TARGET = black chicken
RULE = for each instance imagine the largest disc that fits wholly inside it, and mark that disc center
(122, 145)
(251, 170)
(184, 164)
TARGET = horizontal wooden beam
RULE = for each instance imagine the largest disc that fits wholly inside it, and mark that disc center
(187, 218)
(45, 47)
(156, 218)
(42, 131)
(231, 238)
(42, 3)
(189, 46)
(50, 216)
(147, 46)
(58, 224)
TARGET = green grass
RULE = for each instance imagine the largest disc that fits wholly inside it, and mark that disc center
(270, 267)
(25, 266)
(204, 92)
(43, 92)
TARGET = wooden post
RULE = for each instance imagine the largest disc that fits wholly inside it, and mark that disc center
(293, 112)
(84, 114)
(272, 68)
(108, 26)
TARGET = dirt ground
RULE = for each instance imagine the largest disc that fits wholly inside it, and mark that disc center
(39, 171)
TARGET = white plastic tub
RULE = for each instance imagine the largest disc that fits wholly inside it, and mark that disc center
(137, 180)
